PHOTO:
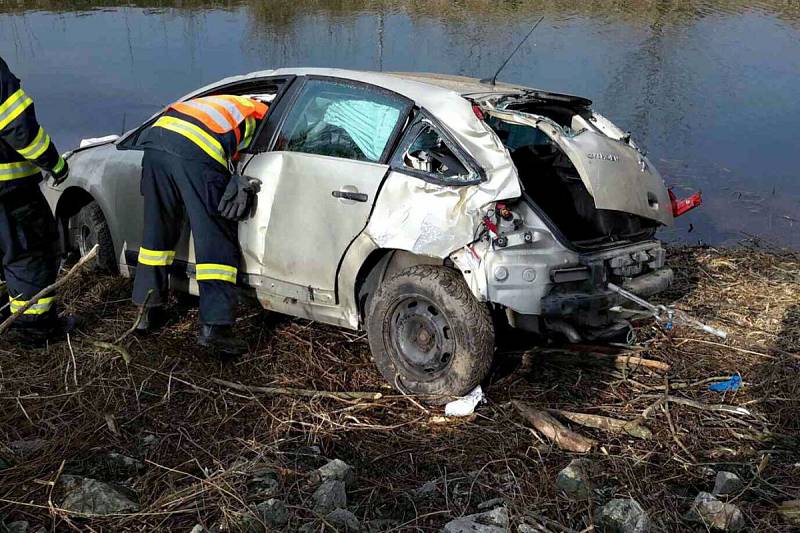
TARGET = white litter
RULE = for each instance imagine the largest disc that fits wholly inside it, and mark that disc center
(98, 140)
(465, 405)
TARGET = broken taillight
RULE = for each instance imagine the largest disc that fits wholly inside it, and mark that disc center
(478, 112)
(684, 205)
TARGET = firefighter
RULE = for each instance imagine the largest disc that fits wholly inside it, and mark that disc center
(28, 233)
(189, 152)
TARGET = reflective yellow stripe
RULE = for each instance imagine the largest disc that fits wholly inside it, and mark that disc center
(249, 131)
(35, 149)
(21, 169)
(41, 306)
(206, 142)
(213, 271)
(13, 107)
(156, 257)
(59, 166)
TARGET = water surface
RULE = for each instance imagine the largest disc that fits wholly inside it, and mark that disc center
(710, 88)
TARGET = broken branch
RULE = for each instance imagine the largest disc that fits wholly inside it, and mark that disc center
(308, 393)
(554, 430)
(49, 289)
(621, 362)
(612, 425)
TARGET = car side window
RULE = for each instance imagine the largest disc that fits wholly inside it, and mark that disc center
(342, 120)
(430, 155)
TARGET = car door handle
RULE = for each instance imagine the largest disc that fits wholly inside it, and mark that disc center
(350, 195)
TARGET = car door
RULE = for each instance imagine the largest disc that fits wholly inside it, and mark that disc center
(328, 159)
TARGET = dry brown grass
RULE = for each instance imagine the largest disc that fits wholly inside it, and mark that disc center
(210, 439)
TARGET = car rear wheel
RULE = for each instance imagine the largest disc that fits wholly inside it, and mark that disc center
(428, 333)
(86, 228)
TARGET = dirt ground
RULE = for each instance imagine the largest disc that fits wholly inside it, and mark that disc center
(200, 442)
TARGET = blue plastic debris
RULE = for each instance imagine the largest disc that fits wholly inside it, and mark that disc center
(724, 386)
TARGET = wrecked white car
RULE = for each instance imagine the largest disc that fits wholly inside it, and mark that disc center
(421, 208)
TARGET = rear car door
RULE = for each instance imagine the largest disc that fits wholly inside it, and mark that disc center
(328, 159)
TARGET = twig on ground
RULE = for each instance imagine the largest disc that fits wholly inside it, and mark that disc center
(554, 430)
(613, 425)
(138, 320)
(307, 393)
(49, 289)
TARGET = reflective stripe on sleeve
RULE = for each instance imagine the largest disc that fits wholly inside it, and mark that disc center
(202, 139)
(41, 306)
(249, 132)
(13, 107)
(156, 257)
(21, 169)
(59, 166)
(36, 148)
(213, 271)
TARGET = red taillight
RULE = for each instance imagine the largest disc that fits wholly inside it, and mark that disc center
(477, 110)
(684, 205)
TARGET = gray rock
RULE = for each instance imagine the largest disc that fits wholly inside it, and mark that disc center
(336, 469)
(715, 514)
(264, 483)
(330, 496)
(24, 448)
(123, 463)
(148, 440)
(525, 528)
(622, 515)
(86, 495)
(491, 504)
(344, 521)
(727, 483)
(494, 521)
(198, 528)
(20, 526)
(273, 512)
(427, 490)
(574, 479)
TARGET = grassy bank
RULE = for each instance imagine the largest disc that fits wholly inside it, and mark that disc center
(200, 443)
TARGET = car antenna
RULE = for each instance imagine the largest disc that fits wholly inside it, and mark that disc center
(493, 80)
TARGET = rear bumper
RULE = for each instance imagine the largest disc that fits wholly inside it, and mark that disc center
(575, 303)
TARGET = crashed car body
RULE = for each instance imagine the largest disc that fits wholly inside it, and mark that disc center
(422, 208)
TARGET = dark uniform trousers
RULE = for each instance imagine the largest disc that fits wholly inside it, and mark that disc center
(174, 187)
(28, 242)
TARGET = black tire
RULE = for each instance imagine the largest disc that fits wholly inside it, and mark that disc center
(428, 333)
(85, 229)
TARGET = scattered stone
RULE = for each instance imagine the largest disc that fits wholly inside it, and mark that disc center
(491, 504)
(714, 514)
(264, 483)
(336, 469)
(20, 526)
(24, 448)
(329, 496)
(381, 524)
(198, 528)
(494, 521)
(149, 440)
(622, 515)
(525, 528)
(574, 479)
(89, 496)
(428, 490)
(790, 510)
(273, 512)
(344, 521)
(727, 483)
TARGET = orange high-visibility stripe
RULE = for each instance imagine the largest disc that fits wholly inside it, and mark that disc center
(224, 112)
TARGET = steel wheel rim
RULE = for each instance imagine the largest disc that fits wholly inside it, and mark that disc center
(420, 338)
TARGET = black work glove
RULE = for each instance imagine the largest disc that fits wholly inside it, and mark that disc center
(237, 200)
(59, 178)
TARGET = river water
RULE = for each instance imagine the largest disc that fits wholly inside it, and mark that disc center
(709, 88)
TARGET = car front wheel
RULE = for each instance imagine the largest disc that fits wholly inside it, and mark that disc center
(87, 228)
(428, 333)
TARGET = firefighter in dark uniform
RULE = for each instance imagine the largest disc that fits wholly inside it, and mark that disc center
(188, 154)
(28, 234)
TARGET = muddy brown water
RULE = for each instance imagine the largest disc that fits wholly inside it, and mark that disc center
(710, 88)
